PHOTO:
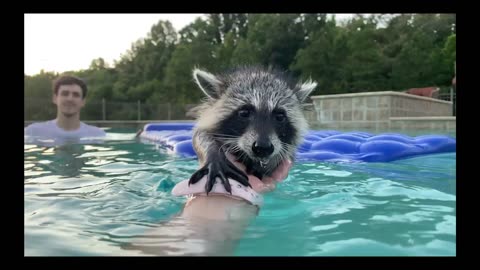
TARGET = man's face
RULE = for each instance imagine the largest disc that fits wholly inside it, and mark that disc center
(69, 99)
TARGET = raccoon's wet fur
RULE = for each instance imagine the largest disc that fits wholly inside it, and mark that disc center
(253, 113)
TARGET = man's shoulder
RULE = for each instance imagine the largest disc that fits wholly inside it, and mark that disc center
(38, 126)
(93, 130)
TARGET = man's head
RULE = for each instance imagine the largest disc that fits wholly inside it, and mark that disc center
(69, 94)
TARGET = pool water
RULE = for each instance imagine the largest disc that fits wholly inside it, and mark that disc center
(93, 200)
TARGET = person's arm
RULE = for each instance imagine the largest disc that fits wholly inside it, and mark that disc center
(207, 225)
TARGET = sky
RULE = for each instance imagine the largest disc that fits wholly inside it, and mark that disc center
(65, 42)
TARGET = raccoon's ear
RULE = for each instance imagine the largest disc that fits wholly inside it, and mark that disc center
(304, 89)
(208, 83)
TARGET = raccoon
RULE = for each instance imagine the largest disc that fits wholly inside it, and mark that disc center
(252, 113)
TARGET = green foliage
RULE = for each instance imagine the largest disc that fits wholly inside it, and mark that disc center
(365, 53)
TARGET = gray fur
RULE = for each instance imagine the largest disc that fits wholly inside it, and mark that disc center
(265, 90)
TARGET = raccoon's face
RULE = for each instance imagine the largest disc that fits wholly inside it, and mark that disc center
(254, 114)
(258, 133)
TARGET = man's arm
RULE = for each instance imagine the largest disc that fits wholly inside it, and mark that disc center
(207, 226)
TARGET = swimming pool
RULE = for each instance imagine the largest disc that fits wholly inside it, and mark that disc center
(94, 199)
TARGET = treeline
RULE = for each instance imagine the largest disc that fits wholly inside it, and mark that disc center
(365, 53)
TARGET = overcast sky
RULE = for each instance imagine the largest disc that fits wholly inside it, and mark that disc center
(63, 42)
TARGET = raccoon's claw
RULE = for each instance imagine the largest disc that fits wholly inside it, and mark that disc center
(238, 175)
(224, 180)
(222, 169)
(197, 176)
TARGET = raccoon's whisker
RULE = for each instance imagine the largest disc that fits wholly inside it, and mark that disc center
(272, 165)
(220, 135)
(230, 148)
(222, 146)
(283, 153)
(235, 147)
(286, 144)
(242, 154)
(288, 147)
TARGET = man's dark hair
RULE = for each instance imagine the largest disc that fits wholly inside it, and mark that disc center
(69, 80)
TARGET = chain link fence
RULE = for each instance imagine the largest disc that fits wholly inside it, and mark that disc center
(44, 109)
(452, 96)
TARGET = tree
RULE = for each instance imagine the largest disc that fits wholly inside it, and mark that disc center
(195, 49)
(274, 39)
(98, 64)
(323, 59)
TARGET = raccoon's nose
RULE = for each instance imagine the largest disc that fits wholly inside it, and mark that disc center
(262, 149)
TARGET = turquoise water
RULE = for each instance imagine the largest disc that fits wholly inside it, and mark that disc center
(93, 200)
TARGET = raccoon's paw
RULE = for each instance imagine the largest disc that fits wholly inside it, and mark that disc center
(223, 169)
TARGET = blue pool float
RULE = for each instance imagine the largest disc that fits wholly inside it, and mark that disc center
(320, 145)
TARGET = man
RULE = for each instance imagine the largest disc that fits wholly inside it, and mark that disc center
(69, 94)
